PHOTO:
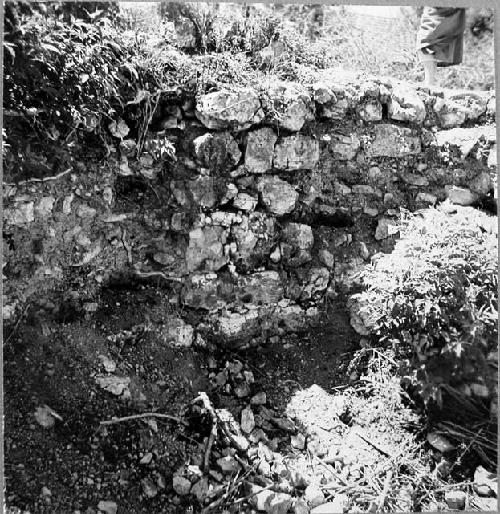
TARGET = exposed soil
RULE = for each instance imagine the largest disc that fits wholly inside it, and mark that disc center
(54, 363)
(359, 422)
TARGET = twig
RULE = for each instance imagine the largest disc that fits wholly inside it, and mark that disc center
(376, 446)
(128, 248)
(45, 179)
(229, 491)
(18, 322)
(213, 432)
(151, 274)
(141, 416)
(385, 490)
(251, 495)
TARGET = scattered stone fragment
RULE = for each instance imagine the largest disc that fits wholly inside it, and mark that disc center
(455, 499)
(460, 195)
(176, 332)
(314, 495)
(480, 390)
(259, 398)
(221, 378)
(228, 464)
(247, 420)
(298, 479)
(181, 485)
(108, 364)
(482, 184)
(485, 483)
(200, 489)
(249, 377)
(439, 442)
(242, 390)
(149, 488)
(279, 503)
(335, 506)
(241, 443)
(45, 416)
(234, 367)
(284, 424)
(20, 214)
(298, 441)
(113, 384)
(300, 507)
(108, 507)
(385, 228)
(148, 457)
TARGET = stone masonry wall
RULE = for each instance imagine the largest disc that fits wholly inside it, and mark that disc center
(274, 199)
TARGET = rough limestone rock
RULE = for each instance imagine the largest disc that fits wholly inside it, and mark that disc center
(19, 214)
(254, 238)
(491, 106)
(44, 206)
(298, 241)
(201, 291)
(332, 101)
(370, 110)
(296, 153)
(460, 195)
(181, 485)
(385, 228)
(455, 499)
(260, 150)
(449, 113)
(176, 332)
(492, 156)
(277, 195)
(465, 138)
(317, 282)
(217, 152)
(291, 106)
(202, 191)
(239, 109)
(233, 326)
(299, 235)
(345, 147)
(482, 184)
(473, 103)
(393, 141)
(322, 94)
(406, 105)
(206, 248)
(245, 202)
(261, 288)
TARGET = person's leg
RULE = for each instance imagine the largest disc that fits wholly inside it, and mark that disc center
(430, 69)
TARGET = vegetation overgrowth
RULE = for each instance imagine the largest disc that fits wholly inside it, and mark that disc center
(71, 70)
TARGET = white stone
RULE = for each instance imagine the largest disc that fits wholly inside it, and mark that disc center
(239, 108)
(260, 150)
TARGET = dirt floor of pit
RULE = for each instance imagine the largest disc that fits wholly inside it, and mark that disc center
(53, 361)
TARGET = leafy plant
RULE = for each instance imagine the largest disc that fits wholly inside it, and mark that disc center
(434, 299)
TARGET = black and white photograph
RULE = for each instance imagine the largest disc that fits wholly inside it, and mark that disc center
(250, 258)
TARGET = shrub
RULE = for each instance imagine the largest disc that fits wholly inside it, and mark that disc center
(434, 298)
(63, 84)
